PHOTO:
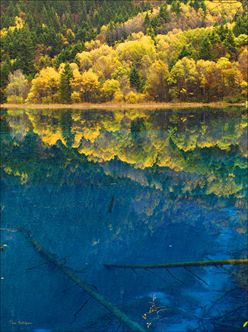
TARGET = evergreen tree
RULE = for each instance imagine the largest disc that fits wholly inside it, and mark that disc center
(205, 49)
(230, 43)
(176, 7)
(65, 84)
(222, 31)
(204, 7)
(196, 4)
(135, 80)
(154, 22)
(241, 25)
(111, 34)
(19, 45)
(163, 13)
(151, 32)
(186, 51)
(66, 125)
(147, 21)
(5, 68)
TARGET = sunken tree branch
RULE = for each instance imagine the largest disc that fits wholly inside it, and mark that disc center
(122, 317)
(180, 264)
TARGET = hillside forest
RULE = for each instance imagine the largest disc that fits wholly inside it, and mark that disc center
(76, 51)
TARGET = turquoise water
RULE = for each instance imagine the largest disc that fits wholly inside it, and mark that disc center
(97, 187)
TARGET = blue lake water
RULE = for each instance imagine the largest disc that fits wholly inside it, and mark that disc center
(135, 187)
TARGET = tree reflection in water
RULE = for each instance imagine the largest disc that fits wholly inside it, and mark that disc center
(99, 187)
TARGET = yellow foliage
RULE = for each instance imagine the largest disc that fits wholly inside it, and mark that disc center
(109, 89)
(132, 51)
(222, 10)
(45, 86)
(118, 96)
(84, 60)
(3, 32)
(19, 24)
(90, 134)
(23, 176)
(75, 97)
(131, 98)
(93, 44)
(15, 99)
(88, 58)
(86, 85)
(105, 65)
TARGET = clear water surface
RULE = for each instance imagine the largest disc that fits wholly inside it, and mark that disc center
(96, 187)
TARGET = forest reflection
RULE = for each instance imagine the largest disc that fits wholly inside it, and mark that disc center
(125, 186)
(208, 143)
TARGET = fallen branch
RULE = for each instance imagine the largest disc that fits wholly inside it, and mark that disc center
(80, 309)
(122, 317)
(180, 264)
(196, 276)
(174, 277)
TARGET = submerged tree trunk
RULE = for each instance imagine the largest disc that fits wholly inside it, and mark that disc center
(122, 317)
(179, 264)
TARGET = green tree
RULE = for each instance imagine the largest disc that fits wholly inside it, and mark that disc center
(5, 68)
(65, 84)
(19, 45)
(230, 43)
(205, 49)
(176, 7)
(186, 51)
(163, 13)
(147, 22)
(222, 31)
(241, 25)
(135, 80)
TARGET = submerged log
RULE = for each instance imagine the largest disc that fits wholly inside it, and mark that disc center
(51, 258)
(179, 264)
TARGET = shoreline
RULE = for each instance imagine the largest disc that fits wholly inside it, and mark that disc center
(119, 106)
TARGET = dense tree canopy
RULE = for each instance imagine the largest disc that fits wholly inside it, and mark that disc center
(94, 51)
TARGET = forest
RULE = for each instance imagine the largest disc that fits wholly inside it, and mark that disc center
(123, 51)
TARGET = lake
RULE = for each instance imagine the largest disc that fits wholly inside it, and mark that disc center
(124, 187)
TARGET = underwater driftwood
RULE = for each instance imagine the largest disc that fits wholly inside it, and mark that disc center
(179, 264)
(51, 258)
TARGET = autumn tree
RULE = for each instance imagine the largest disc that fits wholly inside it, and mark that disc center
(157, 81)
(109, 89)
(87, 86)
(209, 78)
(45, 86)
(243, 63)
(231, 78)
(183, 80)
(122, 75)
(132, 51)
(17, 88)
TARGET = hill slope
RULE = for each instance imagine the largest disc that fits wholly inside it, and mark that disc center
(95, 51)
